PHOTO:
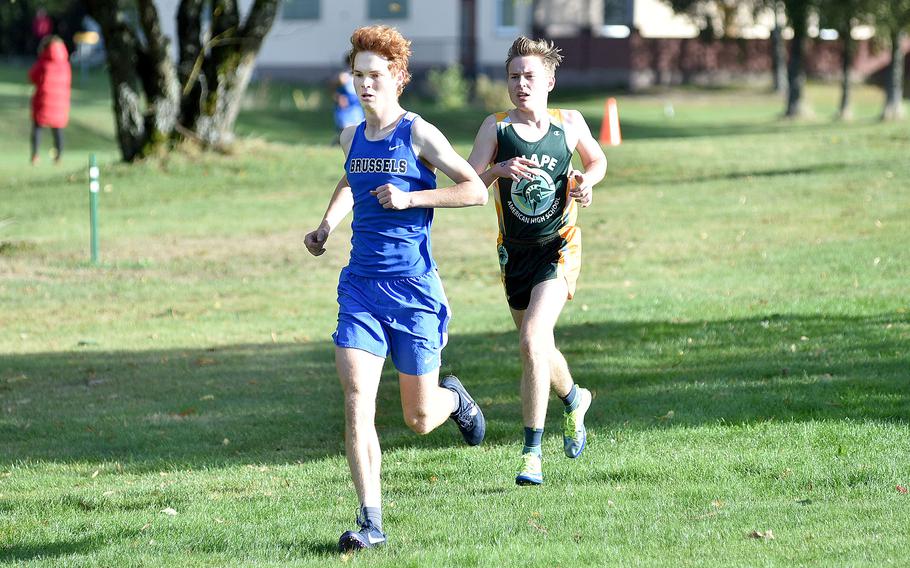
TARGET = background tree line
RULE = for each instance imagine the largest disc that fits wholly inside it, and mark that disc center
(891, 19)
(159, 99)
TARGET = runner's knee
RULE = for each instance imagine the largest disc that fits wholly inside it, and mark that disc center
(535, 346)
(418, 420)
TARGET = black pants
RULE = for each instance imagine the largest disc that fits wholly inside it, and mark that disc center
(36, 139)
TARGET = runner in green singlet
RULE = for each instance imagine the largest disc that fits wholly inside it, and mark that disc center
(527, 152)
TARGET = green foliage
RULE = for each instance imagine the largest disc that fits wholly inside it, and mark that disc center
(843, 15)
(179, 405)
(892, 16)
(716, 18)
(492, 95)
(448, 87)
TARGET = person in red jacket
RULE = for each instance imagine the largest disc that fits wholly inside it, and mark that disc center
(52, 77)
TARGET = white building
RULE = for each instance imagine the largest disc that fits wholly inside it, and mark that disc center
(628, 42)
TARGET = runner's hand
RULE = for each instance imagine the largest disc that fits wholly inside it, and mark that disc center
(516, 168)
(390, 197)
(315, 240)
(579, 189)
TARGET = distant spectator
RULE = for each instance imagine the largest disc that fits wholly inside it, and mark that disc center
(42, 26)
(52, 77)
(348, 111)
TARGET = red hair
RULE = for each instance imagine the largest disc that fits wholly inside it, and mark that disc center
(386, 42)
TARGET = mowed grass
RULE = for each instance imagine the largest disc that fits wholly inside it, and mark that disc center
(742, 316)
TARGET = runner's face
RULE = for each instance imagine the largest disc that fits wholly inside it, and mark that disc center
(374, 82)
(529, 82)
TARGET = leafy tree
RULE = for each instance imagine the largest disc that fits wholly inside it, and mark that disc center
(715, 18)
(157, 101)
(892, 18)
(719, 18)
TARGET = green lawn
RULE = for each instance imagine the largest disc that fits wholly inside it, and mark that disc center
(742, 317)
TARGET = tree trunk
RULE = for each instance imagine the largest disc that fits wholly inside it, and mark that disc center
(845, 112)
(143, 83)
(796, 74)
(157, 101)
(894, 97)
(215, 123)
(191, 56)
(159, 79)
(778, 54)
(121, 47)
(213, 100)
(796, 78)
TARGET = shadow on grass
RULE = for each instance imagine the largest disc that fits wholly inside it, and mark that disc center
(77, 546)
(280, 403)
(460, 126)
(316, 548)
(640, 130)
(26, 552)
(816, 169)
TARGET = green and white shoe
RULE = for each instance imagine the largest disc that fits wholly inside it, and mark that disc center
(531, 472)
(574, 434)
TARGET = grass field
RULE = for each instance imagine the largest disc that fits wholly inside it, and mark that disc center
(742, 316)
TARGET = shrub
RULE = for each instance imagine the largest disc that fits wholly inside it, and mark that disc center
(492, 95)
(448, 87)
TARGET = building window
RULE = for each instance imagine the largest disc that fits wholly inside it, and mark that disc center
(506, 16)
(617, 18)
(615, 12)
(300, 10)
(388, 9)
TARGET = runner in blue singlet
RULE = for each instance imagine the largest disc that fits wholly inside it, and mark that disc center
(390, 298)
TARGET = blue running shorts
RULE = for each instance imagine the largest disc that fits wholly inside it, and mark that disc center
(406, 318)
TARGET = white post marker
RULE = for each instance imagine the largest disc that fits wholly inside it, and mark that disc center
(93, 187)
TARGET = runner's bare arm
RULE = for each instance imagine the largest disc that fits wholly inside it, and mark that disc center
(485, 150)
(433, 148)
(340, 204)
(592, 157)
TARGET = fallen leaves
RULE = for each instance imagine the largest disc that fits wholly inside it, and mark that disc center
(188, 411)
(717, 504)
(763, 535)
(169, 511)
(535, 524)
(901, 489)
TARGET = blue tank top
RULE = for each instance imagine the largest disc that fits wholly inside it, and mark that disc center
(388, 243)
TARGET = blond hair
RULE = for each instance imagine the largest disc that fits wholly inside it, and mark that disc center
(545, 49)
(387, 42)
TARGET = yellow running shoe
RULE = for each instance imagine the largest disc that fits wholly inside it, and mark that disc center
(531, 473)
(574, 434)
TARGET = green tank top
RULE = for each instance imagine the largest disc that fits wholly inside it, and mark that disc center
(536, 209)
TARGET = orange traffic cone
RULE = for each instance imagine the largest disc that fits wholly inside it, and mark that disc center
(609, 128)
